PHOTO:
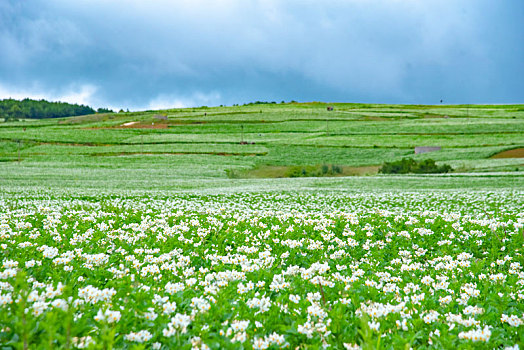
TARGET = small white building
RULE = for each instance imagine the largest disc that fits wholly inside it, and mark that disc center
(426, 149)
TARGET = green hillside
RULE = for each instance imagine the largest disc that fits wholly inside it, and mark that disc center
(165, 148)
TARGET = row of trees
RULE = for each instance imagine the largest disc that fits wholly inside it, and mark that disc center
(11, 109)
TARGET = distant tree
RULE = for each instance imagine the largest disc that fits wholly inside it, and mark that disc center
(27, 108)
(15, 112)
(104, 110)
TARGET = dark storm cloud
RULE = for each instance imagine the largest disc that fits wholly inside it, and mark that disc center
(148, 54)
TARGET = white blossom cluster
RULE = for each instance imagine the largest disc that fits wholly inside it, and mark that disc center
(264, 270)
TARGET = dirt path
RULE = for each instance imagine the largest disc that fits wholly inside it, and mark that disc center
(512, 153)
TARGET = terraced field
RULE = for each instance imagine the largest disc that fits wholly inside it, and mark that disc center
(250, 141)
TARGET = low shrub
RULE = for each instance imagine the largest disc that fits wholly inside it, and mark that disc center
(314, 170)
(409, 165)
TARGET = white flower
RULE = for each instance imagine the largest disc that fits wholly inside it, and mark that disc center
(294, 298)
(139, 337)
(478, 334)
(169, 307)
(512, 320)
(514, 347)
(83, 343)
(431, 316)
(60, 304)
(173, 288)
(260, 344)
(263, 303)
(239, 326)
(374, 325)
(5, 299)
(107, 316)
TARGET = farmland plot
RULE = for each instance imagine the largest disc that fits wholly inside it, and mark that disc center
(263, 270)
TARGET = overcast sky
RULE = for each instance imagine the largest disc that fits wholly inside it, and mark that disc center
(144, 54)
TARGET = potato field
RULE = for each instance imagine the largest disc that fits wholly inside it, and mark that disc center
(263, 270)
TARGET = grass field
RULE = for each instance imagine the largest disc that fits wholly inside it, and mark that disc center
(204, 144)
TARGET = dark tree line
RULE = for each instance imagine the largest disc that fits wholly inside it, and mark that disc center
(11, 109)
